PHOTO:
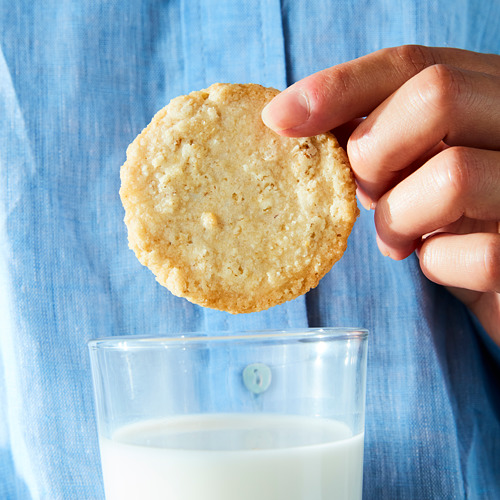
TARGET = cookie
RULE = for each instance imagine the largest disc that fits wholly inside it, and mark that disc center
(227, 213)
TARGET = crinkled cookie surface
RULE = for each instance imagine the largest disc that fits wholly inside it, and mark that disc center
(227, 213)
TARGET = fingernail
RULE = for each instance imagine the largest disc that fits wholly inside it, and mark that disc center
(365, 200)
(287, 110)
(383, 249)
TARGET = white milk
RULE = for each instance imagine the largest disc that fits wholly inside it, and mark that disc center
(233, 457)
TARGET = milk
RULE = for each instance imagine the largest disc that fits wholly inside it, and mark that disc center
(233, 457)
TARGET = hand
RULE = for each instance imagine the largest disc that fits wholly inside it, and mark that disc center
(426, 157)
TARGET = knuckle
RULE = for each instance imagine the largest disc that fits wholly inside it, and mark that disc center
(454, 175)
(411, 59)
(443, 86)
(338, 79)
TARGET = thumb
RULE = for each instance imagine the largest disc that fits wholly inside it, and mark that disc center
(336, 95)
(326, 100)
(301, 110)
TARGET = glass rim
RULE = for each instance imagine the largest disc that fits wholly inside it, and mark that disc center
(263, 336)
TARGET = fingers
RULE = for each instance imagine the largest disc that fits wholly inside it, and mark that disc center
(469, 261)
(456, 183)
(426, 152)
(338, 94)
(441, 103)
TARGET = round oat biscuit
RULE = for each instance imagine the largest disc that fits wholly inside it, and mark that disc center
(227, 213)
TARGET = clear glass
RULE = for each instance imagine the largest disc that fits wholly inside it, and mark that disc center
(268, 415)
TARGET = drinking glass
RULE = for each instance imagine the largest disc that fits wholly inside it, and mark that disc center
(267, 415)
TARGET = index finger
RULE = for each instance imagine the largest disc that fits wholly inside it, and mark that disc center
(334, 96)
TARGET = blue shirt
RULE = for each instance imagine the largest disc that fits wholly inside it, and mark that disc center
(78, 81)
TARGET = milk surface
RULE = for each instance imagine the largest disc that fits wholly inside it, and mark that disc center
(233, 457)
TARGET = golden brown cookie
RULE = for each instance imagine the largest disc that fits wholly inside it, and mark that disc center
(227, 213)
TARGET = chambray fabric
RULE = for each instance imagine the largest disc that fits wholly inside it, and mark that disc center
(78, 81)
